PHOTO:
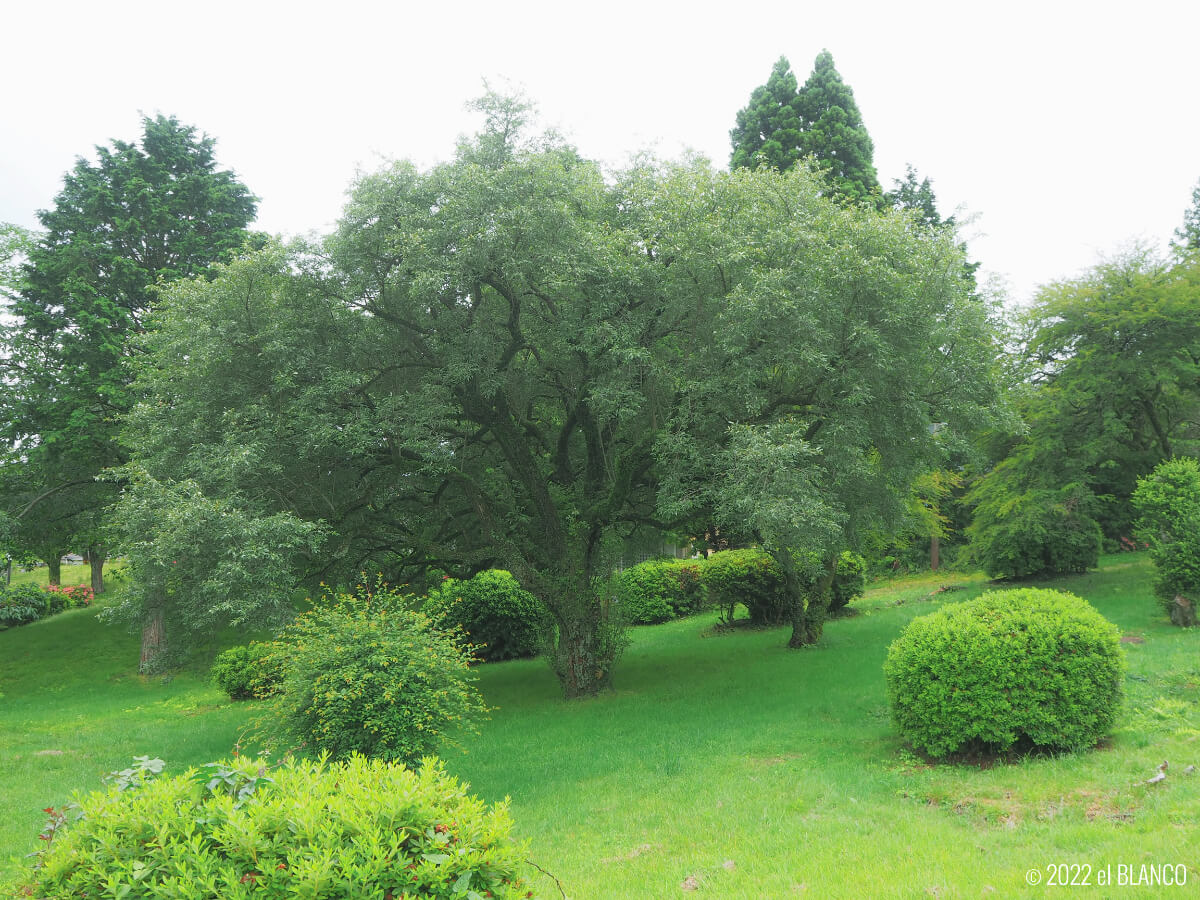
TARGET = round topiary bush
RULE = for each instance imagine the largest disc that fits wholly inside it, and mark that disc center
(304, 829)
(366, 673)
(1024, 669)
(501, 619)
(250, 672)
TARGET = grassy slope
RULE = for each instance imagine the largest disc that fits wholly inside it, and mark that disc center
(760, 772)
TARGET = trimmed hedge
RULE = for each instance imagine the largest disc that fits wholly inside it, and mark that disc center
(658, 590)
(501, 619)
(237, 830)
(1026, 669)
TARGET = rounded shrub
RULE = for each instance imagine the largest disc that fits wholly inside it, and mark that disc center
(849, 581)
(1025, 669)
(21, 604)
(366, 673)
(500, 618)
(250, 672)
(658, 590)
(361, 828)
(749, 577)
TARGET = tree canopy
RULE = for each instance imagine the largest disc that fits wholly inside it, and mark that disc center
(512, 359)
(784, 123)
(141, 215)
(768, 128)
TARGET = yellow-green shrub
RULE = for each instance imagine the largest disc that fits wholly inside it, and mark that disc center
(237, 830)
(1028, 668)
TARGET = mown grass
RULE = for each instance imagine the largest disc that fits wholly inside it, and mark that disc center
(721, 761)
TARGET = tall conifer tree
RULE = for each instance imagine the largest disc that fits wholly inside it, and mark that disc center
(768, 129)
(834, 133)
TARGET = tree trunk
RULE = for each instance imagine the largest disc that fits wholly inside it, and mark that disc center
(1183, 612)
(934, 549)
(813, 623)
(96, 558)
(154, 640)
(54, 564)
(586, 646)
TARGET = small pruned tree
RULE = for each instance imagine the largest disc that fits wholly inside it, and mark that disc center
(1168, 502)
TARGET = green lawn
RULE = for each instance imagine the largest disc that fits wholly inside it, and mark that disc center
(726, 761)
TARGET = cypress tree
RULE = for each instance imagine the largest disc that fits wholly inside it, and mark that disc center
(768, 129)
(834, 133)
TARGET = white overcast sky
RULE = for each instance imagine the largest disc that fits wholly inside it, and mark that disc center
(1068, 129)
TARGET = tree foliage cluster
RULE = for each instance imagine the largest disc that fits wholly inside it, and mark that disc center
(516, 360)
(1109, 387)
(783, 124)
(141, 215)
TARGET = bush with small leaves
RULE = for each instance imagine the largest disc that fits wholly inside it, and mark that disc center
(658, 590)
(364, 672)
(749, 577)
(250, 672)
(501, 619)
(849, 581)
(1038, 532)
(1168, 503)
(1019, 669)
(239, 830)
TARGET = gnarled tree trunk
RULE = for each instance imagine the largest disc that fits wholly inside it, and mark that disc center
(809, 625)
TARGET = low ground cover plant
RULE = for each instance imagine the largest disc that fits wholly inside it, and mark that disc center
(501, 619)
(1019, 669)
(365, 672)
(243, 829)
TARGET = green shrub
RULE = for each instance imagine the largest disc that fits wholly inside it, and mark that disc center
(849, 582)
(500, 618)
(238, 830)
(658, 590)
(366, 673)
(250, 672)
(1038, 532)
(21, 604)
(1026, 668)
(1168, 502)
(749, 577)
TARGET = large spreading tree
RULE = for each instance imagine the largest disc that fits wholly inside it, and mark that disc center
(143, 214)
(512, 359)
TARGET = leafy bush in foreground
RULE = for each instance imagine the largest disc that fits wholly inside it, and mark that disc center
(366, 673)
(249, 672)
(501, 619)
(658, 590)
(232, 830)
(1025, 668)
